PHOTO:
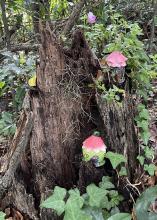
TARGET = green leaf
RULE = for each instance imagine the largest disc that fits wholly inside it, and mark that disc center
(141, 159)
(7, 117)
(143, 124)
(106, 183)
(75, 196)
(123, 172)
(2, 215)
(73, 208)
(56, 201)
(2, 84)
(106, 214)
(120, 216)
(114, 210)
(115, 158)
(145, 137)
(143, 204)
(96, 195)
(144, 114)
(149, 152)
(150, 169)
(115, 198)
(95, 213)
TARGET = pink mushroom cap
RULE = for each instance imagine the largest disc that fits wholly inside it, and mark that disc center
(94, 143)
(116, 59)
(91, 18)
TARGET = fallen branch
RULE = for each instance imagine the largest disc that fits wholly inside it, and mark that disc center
(20, 47)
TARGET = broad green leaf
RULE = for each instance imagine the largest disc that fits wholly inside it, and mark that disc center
(115, 158)
(149, 152)
(140, 107)
(151, 168)
(78, 215)
(141, 159)
(95, 213)
(106, 183)
(114, 210)
(7, 117)
(120, 216)
(145, 137)
(123, 172)
(143, 124)
(143, 203)
(96, 195)
(73, 209)
(144, 114)
(115, 198)
(106, 214)
(56, 201)
(2, 215)
(75, 196)
(2, 84)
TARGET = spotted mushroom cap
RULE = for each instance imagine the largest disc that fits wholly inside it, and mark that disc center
(91, 18)
(94, 143)
(116, 59)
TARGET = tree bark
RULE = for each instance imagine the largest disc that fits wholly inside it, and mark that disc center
(119, 129)
(5, 23)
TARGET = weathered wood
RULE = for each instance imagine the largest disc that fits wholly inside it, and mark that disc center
(55, 112)
(88, 174)
(16, 150)
(119, 129)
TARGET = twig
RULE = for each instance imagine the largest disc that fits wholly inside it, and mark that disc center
(73, 17)
(20, 47)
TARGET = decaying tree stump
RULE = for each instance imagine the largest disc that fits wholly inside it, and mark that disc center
(58, 105)
(119, 128)
(64, 112)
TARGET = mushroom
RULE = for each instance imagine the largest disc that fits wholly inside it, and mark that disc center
(116, 59)
(94, 149)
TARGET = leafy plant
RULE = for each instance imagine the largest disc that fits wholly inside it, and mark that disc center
(111, 94)
(142, 120)
(2, 215)
(14, 73)
(117, 34)
(148, 154)
(60, 9)
(151, 168)
(115, 158)
(144, 204)
(7, 124)
(90, 206)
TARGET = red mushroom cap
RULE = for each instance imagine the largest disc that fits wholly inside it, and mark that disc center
(94, 143)
(116, 59)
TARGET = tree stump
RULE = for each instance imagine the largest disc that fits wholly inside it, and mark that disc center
(64, 112)
(119, 128)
